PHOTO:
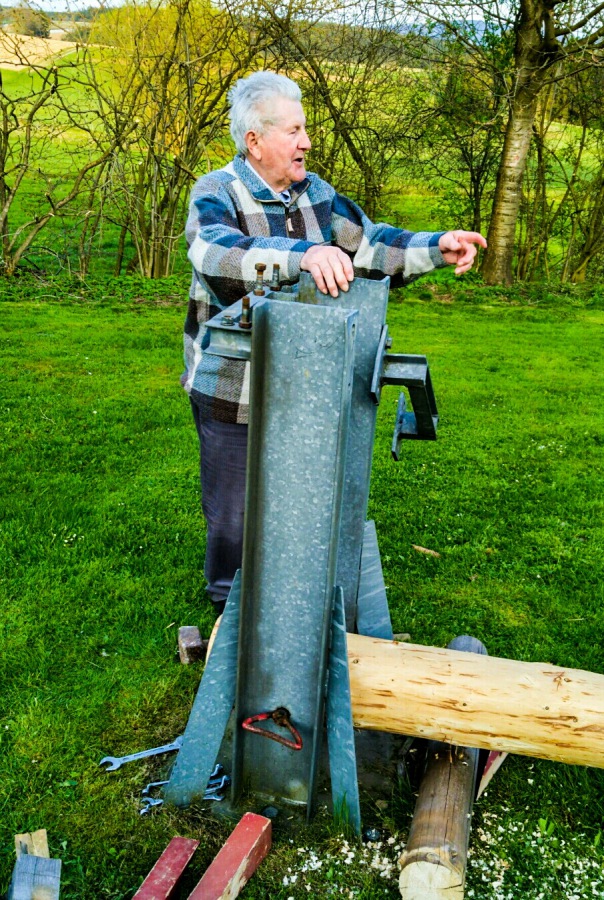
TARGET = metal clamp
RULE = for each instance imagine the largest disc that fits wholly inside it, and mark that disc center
(412, 372)
(281, 718)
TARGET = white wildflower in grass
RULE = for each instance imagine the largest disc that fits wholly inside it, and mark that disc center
(528, 860)
(510, 858)
(350, 870)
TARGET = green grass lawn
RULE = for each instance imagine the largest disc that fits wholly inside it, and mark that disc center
(102, 553)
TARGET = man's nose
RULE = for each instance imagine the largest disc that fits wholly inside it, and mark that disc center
(304, 143)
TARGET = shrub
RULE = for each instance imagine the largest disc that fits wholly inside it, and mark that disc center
(31, 22)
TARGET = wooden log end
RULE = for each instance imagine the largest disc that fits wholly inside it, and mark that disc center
(34, 843)
(428, 880)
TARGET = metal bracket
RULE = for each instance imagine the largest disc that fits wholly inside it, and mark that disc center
(412, 372)
(226, 336)
(373, 615)
(209, 717)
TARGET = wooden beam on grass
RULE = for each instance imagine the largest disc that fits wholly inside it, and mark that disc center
(35, 843)
(433, 865)
(162, 881)
(237, 861)
(532, 709)
(35, 878)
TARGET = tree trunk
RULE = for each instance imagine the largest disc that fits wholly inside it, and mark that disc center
(536, 50)
(498, 259)
(119, 258)
(592, 235)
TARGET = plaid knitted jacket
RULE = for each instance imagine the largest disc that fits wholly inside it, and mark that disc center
(234, 222)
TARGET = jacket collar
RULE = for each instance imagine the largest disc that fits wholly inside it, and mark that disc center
(256, 187)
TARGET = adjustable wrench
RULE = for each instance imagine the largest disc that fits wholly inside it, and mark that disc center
(115, 762)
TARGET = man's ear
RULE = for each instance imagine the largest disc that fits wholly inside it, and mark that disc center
(251, 140)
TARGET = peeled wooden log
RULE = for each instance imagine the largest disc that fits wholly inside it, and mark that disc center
(212, 637)
(433, 865)
(532, 709)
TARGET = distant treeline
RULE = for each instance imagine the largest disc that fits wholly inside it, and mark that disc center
(500, 117)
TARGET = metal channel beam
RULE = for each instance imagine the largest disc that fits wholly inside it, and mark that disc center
(302, 361)
(373, 615)
(370, 298)
(340, 730)
(211, 711)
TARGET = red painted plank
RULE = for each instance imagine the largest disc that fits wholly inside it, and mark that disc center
(494, 762)
(165, 874)
(237, 861)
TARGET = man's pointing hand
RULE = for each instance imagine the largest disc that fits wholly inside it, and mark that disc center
(459, 248)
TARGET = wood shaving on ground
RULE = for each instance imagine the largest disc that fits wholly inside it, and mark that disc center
(425, 550)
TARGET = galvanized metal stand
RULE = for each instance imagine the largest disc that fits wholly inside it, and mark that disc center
(311, 568)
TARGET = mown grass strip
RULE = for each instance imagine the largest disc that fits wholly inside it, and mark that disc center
(102, 550)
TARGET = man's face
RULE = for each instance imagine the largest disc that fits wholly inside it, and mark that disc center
(278, 155)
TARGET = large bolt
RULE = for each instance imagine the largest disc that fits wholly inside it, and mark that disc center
(245, 321)
(259, 289)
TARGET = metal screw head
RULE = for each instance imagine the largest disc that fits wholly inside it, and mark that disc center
(227, 319)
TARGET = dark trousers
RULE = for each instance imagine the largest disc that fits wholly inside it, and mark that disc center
(223, 449)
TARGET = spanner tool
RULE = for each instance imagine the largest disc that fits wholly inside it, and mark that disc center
(214, 791)
(115, 762)
(217, 780)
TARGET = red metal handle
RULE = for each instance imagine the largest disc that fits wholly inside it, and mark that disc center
(280, 717)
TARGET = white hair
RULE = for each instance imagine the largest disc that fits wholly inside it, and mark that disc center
(250, 103)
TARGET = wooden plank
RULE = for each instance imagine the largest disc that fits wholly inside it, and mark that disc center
(35, 878)
(35, 843)
(532, 709)
(433, 866)
(237, 861)
(162, 880)
(495, 760)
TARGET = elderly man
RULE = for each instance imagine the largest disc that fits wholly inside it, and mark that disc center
(265, 207)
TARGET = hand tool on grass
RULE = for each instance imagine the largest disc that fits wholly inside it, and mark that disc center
(214, 791)
(113, 763)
